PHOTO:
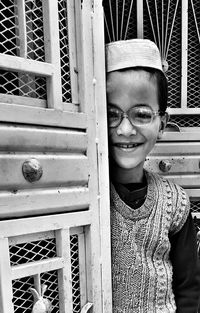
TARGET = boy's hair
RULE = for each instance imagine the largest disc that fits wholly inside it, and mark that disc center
(162, 84)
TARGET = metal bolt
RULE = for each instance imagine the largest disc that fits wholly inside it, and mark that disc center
(32, 170)
(165, 165)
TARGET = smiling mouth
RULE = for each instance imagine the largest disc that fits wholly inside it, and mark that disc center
(128, 145)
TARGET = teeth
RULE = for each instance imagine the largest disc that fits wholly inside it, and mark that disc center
(128, 146)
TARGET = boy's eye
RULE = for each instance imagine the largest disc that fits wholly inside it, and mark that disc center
(141, 114)
(112, 113)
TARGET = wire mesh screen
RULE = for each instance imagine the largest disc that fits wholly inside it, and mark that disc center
(186, 120)
(193, 94)
(76, 292)
(64, 51)
(9, 41)
(28, 43)
(22, 298)
(32, 251)
(22, 84)
(40, 250)
(52, 293)
(159, 19)
(13, 37)
(34, 30)
(120, 19)
(195, 206)
(22, 35)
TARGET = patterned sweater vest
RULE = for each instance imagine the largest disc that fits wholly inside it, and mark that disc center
(141, 268)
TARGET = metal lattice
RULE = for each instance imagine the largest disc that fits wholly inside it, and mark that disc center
(186, 120)
(22, 298)
(34, 30)
(52, 293)
(75, 274)
(193, 94)
(158, 22)
(120, 19)
(195, 206)
(9, 42)
(64, 51)
(13, 37)
(17, 42)
(33, 251)
(22, 84)
(29, 43)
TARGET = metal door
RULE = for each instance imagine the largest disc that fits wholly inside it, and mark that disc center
(53, 158)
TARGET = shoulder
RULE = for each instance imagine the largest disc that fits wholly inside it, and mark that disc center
(176, 200)
(168, 186)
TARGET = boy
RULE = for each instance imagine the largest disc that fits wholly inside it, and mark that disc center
(154, 253)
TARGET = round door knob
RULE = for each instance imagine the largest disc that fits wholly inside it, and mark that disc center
(165, 165)
(32, 170)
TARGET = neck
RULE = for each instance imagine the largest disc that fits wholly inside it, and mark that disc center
(126, 176)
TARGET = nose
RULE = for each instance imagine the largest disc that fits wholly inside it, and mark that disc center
(126, 128)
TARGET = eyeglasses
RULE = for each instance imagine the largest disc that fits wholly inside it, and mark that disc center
(138, 116)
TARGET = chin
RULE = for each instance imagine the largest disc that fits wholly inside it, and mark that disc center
(128, 164)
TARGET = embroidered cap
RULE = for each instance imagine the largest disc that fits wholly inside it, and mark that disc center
(132, 53)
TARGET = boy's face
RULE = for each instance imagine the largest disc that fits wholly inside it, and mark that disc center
(129, 144)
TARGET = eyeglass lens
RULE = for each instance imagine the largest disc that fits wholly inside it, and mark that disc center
(137, 116)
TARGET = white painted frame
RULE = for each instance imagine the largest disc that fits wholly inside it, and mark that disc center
(102, 153)
(50, 69)
(33, 229)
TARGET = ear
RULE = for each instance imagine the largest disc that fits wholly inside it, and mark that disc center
(163, 122)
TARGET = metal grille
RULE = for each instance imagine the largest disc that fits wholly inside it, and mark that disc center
(195, 206)
(9, 41)
(22, 298)
(120, 20)
(75, 274)
(64, 51)
(32, 251)
(22, 84)
(52, 294)
(193, 94)
(39, 250)
(186, 120)
(30, 44)
(34, 30)
(154, 30)
(13, 37)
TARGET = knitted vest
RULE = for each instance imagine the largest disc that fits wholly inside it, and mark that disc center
(141, 268)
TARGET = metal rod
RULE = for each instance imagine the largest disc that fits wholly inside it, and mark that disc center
(195, 20)
(122, 20)
(172, 28)
(130, 10)
(111, 18)
(151, 21)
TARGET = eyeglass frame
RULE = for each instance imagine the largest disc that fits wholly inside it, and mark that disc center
(125, 114)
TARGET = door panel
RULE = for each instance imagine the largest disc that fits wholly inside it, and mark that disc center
(53, 149)
(55, 257)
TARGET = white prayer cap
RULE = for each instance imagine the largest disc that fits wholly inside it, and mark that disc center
(132, 53)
